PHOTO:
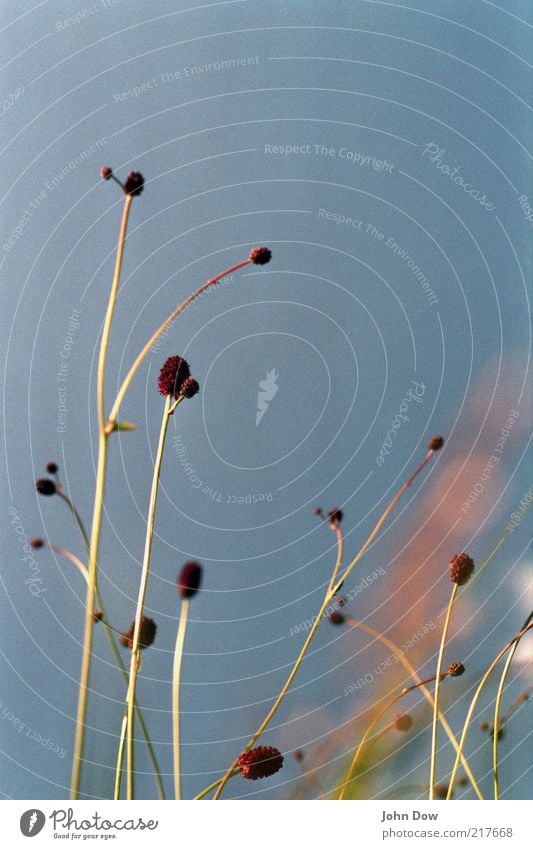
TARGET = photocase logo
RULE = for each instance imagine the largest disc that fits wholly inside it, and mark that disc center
(267, 390)
(32, 822)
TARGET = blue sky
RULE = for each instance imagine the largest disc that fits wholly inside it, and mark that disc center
(380, 150)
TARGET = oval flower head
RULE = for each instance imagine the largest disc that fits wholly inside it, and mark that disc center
(260, 762)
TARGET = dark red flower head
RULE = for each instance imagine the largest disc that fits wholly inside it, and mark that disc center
(146, 636)
(189, 579)
(455, 669)
(97, 616)
(336, 617)
(37, 542)
(260, 256)
(436, 443)
(45, 486)
(173, 374)
(403, 722)
(189, 388)
(106, 172)
(335, 516)
(52, 468)
(134, 183)
(461, 568)
(260, 762)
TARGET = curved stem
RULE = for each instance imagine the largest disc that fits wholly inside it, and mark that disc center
(108, 629)
(474, 701)
(97, 518)
(154, 337)
(77, 518)
(81, 567)
(420, 684)
(434, 728)
(496, 724)
(363, 740)
(383, 518)
(212, 786)
(331, 592)
(135, 650)
(176, 680)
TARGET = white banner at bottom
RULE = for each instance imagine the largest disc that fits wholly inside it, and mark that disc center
(266, 824)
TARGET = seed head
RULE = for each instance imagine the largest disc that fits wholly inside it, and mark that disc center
(317, 511)
(484, 725)
(462, 780)
(189, 579)
(52, 468)
(403, 722)
(335, 516)
(461, 568)
(106, 172)
(436, 443)
(36, 542)
(260, 256)
(146, 636)
(441, 791)
(174, 372)
(455, 669)
(189, 388)
(134, 183)
(260, 762)
(336, 617)
(45, 486)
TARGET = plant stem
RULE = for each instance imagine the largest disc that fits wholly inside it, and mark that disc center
(77, 518)
(380, 522)
(212, 786)
(153, 338)
(340, 550)
(331, 592)
(120, 759)
(496, 724)
(97, 517)
(135, 650)
(434, 729)
(108, 628)
(477, 694)
(408, 666)
(176, 681)
(363, 740)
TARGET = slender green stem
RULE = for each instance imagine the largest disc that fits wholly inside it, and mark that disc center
(135, 650)
(434, 728)
(212, 786)
(363, 740)
(106, 332)
(474, 702)
(108, 629)
(340, 551)
(381, 521)
(120, 759)
(154, 337)
(97, 518)
(332, 591)
(496, 725)
(81, 567)
(77, 518)
(410, 669)
(176, 682)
